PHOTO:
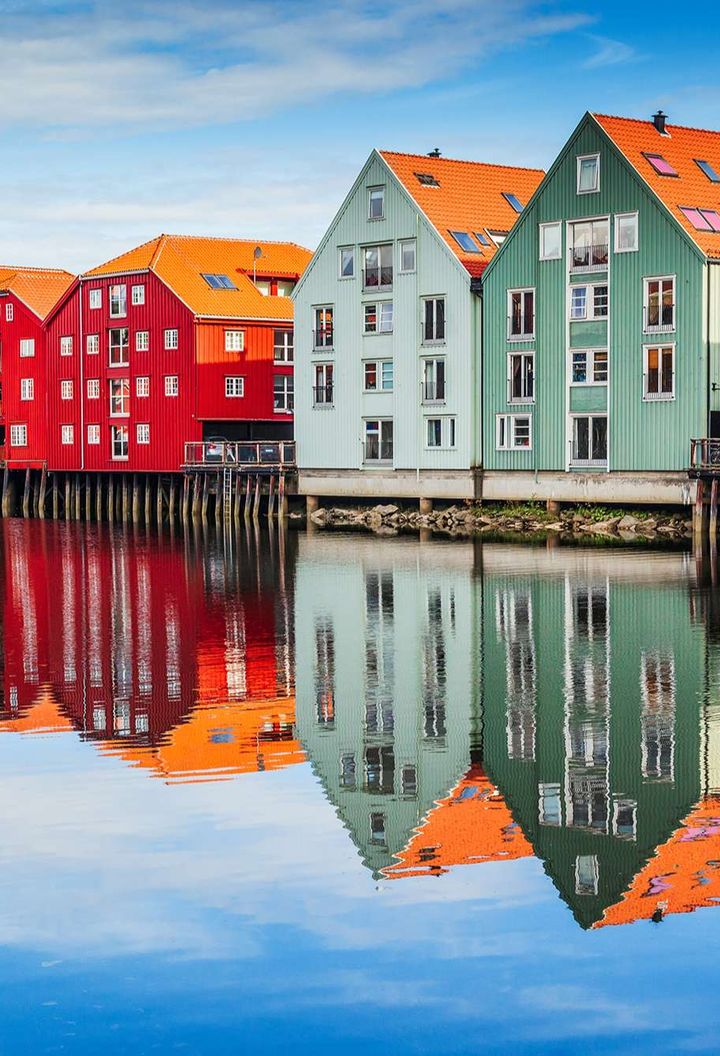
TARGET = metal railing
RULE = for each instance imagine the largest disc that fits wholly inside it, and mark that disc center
(586, 258)
(377, 278)
(323, 338)
(705, 453)
(323, 395)
(659, 319)
(240, 453)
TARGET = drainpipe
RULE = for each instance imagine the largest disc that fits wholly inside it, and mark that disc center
(709, 347)
(82, 380)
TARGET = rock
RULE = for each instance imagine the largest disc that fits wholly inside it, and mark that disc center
(320, 518)
(386, 511)
(608, 526)
(627, 523)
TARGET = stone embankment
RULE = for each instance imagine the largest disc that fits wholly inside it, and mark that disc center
(465, 520)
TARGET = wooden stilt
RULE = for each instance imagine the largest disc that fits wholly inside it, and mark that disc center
(99, 498)
(256, 504)
(237, 502)
(5, 491)
(714, 509)
(26, 495)
(172, 504)
(185, 506)
(196, 497)
(55, 497)
(148, 500)
(125, 497)
(136, 499)
(271, 497)
(282, 499)
(205, 497)
(159, 498)
(67, 513)
(699, 511)
(218, 498)
(88, 497)
(111, 498)
(247, 498)
(36, 494)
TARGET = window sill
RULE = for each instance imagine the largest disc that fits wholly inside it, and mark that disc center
(377, 333)
(588, 384)
(666, 329)
(323, 406)
(439, 342)
(525, 402)
(664, 398)
(378, 392)
(513, 450)
(277, 410)
(587, 269)
(321, 350)
(588, 319)
(520, 337)
(376, 289)
(381, 462)
(434, 403)
(589, 464)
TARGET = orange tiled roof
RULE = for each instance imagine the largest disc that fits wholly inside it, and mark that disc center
(469, 198)
(472, 824)
(39, 288)
(683, 875)
(44, 716)
(681, 148)
(181, 260)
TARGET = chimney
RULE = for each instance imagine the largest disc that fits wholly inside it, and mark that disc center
(659, 120)
(434, 153)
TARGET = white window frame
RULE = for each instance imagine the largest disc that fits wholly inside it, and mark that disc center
(9, 312)
(324, 383)
(142, 386)
(27, 390)
(378, 364)
(115, 431)
(93, 435)
(67, 435)
(589, 301)
(351, 251)
(660, 328)
(137, 294)
(616, 232)
(287, 346)
(288, 391)
(659, 397)
(95, 297)
(18, 435)
(601, 463)
(380, 317)
(524, 336)
(588, 157)
(92, 345)
(448, 432)
(93, 388)
(378, 188)
(510, 432)
(234, 387)
(123, 349)
(172, 385)
(590, 267)
(544, 227)
(380, 422)
(142, 433)
(430, 367)
(590, 353)
(234, 341)
(321, 314)
(580, 888)
(424, 301)
(27, 347)
(118, 293)
(142, 340)
(409, 242)
(171, 339)
(122, 397)
(518, 400)
(66, 389)
(66, 345)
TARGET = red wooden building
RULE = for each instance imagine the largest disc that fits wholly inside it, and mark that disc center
(182, 339)
(26, 297)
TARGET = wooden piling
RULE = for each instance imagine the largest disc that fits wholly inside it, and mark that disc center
(55, 497)
(237, 502)
(271, 497)
(219, 498)
(247, 498)
(196, 497)
(282, 499)
(699, 511)
(256, 504)
(172, 502)
(185, 504)
(66, 507)
(136, 498)
(42, 493)
(78, 498)
(205, 497)
(99, 498)
(88, 497)
(26, 495)
(714, 509)
(35, 494)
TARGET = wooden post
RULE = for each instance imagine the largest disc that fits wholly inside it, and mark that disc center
(125, 498)
(136, 498)
(185, 505)
(5, 491)
(196, 497)
(219, 498)
(238, 498)
(88, 497)
(714, 509)
(205, 497)
(78, 497)
(282, 499)
(110, 498)
(256, 504)
(26, 495)
(99, 498)
(172, 505)
(159, 503)
(55, 497)
(271, 497)
(699, 511)
(36, 495)
(67, 511)
(148, 500)
(247, 498)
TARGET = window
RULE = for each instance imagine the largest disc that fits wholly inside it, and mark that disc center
(377, 829)
(234, 341)
(379, 440)
(118, 301)
(378, 267)
(498, 237)
(93, 434)
(95, 298)
(709, 171)
(347, 262)
(521, 314)
(408, 252)
(67, 434)
(283, 393)
(513, 432)
(702, 219)
(625, 819)
(433, 320)
(589, 245)
(27, 347)
(219, 282)
(379, 318)
(138, 294)
(465, 241)
(514, 201)
(589, 366)
(588, 174)
(142, 387)
(659, 372)
(93, 389)
(323, 389)
(119, 435)
(18, 436)
(9, 313)
(284, 346)
(521, 377)
(27, 389)
(263, 287)
(171, 339)
(285, 289)
(119, 347)
(376, 203)
(92, 344)
(586, 874)
(66, 390)
(661, 166)
(589, 442)
(440, 432)
(142, 341)
(323, 333)
(427, 179)
(119, 397)
(171, 385)
(588, 302)
(626, 233)
(551, 241)
(379, 376)
(66, 346)
(659, 304)
(433, 380)
(234, 387)
(550, 808)
(142, 433)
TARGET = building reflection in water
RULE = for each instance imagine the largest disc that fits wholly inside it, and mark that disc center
(460, 703)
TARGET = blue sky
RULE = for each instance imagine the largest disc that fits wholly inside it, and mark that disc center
(251, 119)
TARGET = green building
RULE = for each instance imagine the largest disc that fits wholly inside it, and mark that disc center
(602, 320)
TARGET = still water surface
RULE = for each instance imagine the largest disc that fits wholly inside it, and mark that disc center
(324, 793)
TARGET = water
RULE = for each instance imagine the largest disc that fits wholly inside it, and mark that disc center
(323, 793)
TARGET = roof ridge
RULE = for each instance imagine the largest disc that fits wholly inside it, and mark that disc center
(233, 238)
(459, 161)
(647, 121)
(133, 249)
(24, 267)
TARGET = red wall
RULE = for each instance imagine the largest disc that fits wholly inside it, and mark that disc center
(24, 324)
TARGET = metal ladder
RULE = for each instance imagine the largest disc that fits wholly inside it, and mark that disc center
(227, 492)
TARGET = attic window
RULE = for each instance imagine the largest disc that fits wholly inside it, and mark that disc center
(514, 201)
(427, 179)
(482, 238)
(465, 242)
(498, 237)
(662, 167)
(709, 171)
(702, 219)
(219, 282)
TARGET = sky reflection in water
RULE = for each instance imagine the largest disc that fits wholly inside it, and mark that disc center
(323, 792)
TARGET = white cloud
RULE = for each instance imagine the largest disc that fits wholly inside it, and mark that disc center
(608, 53)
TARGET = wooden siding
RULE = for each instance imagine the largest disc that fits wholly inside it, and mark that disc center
(13, 368)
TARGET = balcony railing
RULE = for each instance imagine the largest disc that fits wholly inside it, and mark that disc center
(705, 454)
(323, 395)
(433, 391)
(377, 278)
(589, 258)
(323, 338)
(659, 320)
(240, 453)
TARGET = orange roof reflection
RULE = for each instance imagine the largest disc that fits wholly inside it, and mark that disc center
(43, 716)
(472, 824)
(683, 874)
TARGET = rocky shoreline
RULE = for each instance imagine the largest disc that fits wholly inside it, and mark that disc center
(524, 520)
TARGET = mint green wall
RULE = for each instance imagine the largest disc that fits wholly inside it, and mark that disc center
(642, 435)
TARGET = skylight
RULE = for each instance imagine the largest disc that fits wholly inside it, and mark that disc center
(708, 170)
(465, 242)
(427, 179)
(514, 201)
(702, 219)
(219, 282)
(661, 166)
(482, 238)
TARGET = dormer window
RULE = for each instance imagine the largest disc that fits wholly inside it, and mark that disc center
(661, 166)
(514, 201)
(709, 171)
(427, 179)
(701, 219)
(219, 282)
(465, 241)
(498, 237)
(588, 174)
(376, 203)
